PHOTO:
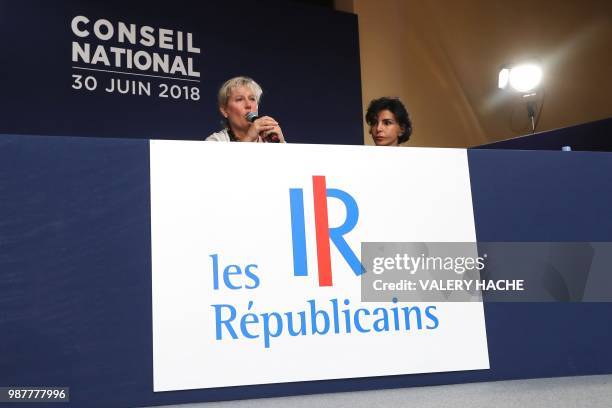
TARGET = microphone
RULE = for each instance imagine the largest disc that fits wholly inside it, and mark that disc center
(271, 137)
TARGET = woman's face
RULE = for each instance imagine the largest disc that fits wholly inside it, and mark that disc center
(241, 101)
(385, 130)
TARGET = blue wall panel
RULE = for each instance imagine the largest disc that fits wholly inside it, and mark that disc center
(75, 287)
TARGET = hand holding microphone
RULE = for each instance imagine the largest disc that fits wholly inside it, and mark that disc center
(265, 127)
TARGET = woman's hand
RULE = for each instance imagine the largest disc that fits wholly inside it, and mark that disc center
(265, 129)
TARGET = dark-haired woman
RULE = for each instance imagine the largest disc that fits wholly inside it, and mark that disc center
(389, 121)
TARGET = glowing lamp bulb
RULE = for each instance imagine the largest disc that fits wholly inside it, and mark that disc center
(525, 77)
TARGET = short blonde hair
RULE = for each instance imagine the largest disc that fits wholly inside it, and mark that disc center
(230, 84)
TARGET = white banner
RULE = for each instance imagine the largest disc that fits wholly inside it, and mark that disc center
(242, 290)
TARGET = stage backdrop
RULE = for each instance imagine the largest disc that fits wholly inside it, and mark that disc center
(151, 69)
(76, 287)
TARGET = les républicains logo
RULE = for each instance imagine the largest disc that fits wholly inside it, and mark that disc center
(318, 318)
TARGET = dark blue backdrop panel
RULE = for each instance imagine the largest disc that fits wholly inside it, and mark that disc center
(75, 263)
(530, 196)
(305, 57)
(75, 287)
(592, 136)
(541, 195)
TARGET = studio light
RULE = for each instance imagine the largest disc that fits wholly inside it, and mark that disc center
(523, 78)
